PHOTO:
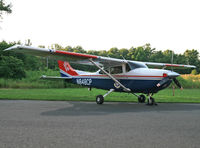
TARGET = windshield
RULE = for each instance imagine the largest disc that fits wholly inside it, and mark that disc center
(134, 65)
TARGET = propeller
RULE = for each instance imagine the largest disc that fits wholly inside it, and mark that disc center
(163, 81)
(170, 76)
(174, 79)
(177, 83)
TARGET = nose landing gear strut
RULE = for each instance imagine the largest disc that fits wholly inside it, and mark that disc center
(151, 100)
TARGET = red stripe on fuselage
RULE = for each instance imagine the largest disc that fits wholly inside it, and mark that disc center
(76, 54)
(121, 76)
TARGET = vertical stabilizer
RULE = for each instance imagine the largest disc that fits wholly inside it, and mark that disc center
(66, 70)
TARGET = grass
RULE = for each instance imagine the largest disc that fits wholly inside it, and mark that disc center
(82, 94)
(33, 80)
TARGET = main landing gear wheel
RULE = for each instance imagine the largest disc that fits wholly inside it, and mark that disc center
(151, 101)
(99, 99)
(141, 98)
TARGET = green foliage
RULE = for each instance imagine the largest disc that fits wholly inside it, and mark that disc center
(188, 81)
(11, 67)
(123, 52)
(158, 56)
(5, 7)
(194, 72)
(192, 57)
(31, 63)
(114, 53)
(140, 54)
(79, 49)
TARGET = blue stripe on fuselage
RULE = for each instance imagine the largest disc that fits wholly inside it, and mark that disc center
(137, 86)
(63, 75)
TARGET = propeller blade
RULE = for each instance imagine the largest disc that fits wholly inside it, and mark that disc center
(163, 81)
(177, 83)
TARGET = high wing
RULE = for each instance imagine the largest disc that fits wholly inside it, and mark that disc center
(86, 59)
(67, 56)
(58, 54)
(165, 65)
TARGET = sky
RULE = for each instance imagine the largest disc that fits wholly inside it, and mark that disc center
(103, 24)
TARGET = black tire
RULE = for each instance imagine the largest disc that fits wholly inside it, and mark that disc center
(151, 102)
(99, 99)
(141, 99)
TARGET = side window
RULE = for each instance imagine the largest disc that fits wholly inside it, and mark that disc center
(116, 70)
(107, 70)
(113, 70)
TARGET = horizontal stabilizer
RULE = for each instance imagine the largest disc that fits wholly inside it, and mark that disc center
(55, 78)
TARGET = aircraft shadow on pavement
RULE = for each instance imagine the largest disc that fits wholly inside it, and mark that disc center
(89, 109)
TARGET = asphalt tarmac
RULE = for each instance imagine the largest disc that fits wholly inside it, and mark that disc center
(60, 124)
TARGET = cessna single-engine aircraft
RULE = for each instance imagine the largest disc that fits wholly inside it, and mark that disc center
(113, 75)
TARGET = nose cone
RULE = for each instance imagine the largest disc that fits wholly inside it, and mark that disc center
(173, 74)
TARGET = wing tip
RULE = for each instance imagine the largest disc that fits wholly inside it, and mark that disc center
(12, 47)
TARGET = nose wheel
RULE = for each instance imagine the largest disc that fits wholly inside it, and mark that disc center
(151, 101)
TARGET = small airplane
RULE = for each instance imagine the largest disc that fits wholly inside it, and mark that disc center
(117, 75)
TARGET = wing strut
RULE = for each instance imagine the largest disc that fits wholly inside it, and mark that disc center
(109, 75)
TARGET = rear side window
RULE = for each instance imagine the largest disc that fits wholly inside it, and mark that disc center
(134, 65)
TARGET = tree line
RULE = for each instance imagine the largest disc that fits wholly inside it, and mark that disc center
(14, 65)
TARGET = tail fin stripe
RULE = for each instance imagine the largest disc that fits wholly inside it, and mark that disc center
(66, 69)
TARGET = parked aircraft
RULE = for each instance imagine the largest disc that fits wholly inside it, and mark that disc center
(117, 75)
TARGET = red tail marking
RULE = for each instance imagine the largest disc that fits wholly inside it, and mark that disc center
(65, 66)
